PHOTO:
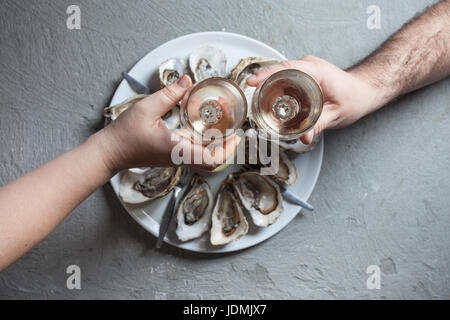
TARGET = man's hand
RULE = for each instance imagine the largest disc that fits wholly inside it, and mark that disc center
(140, 138)
(417, 55)
(347, 98)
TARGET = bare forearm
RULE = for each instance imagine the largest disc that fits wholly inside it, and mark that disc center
(417, 55)
(33, 205)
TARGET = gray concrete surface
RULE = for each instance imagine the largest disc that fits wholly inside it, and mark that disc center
(383, 196)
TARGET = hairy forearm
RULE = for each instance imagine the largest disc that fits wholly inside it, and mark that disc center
(33, 205)
(417, 55)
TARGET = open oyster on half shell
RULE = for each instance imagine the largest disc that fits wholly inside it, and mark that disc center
(298, 146)
(171, 70)
(171, 118)
(287, 172)
(206, 62)
(193, 215)
(150, 184)
(114, 112)
(244, 69)
(259, 195)
(228, 220)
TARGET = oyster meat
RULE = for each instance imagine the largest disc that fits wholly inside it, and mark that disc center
(171, 70)
(171, 118)
(259, 195)
(151, 184)
(206, 62)
(193, 214)
(246, 68)
(228, 220)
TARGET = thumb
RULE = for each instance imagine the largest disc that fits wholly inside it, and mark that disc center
(326, 119)
(165, 99)
(308, 137)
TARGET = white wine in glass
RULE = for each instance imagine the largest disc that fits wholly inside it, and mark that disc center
(287, 104)
(214, 105)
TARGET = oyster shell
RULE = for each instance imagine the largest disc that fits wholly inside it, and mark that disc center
(298, 146)
(259, 195)
(138, 170)
(171, 118)
(287, 172)
(171, 70)
(152, 184)
(244, 69)
(228, 220)
(206, 62)
(193, 214)
(114, 112)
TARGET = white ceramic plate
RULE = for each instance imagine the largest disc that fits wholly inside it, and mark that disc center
(236, 47)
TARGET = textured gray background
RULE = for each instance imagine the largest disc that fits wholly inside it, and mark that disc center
(383, 196)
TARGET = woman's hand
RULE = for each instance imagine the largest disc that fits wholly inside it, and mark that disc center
(347, 97)
(140, 138)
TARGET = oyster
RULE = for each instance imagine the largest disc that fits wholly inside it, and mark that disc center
(171, 70)
(114, 112)
(206, 62)
(287, 172)
(294, 145)
(193, 214)
(298, 146)
(151, 184)
(246, 68)
(228, 220)
(171, 118)
(138, 170)
(259, 195)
